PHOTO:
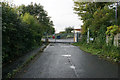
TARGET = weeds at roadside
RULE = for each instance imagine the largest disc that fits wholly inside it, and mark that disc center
(111, 53)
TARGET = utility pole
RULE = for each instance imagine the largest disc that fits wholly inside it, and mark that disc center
(55, 38)
(88, 36)
(74, 33)
(116, 13)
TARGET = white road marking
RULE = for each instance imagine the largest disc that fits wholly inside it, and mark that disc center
(66, 55)
(71, 63)
(73, 67)
(46, 47)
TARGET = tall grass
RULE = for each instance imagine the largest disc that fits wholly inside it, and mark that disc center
(109, 52)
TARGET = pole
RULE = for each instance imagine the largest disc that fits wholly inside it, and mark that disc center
(77, 36)
(116, 13)
(116, 41)
(74, 33)
(88, 36)
(55, 38)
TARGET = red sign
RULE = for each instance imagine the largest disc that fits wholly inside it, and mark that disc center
(53, 37)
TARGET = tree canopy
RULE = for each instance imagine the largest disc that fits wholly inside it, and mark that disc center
(22, 30)
(40, 14)
(68, 29)
(95, 15)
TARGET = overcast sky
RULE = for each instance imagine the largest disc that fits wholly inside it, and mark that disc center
(60, 11)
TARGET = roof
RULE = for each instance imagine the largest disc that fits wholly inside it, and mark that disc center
(78, 29)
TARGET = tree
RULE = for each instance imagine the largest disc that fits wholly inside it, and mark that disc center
(34, 27)
(12, 33)
(68, 29)
(21, 31)
(102, 18)
(96, 16)
(40, 14)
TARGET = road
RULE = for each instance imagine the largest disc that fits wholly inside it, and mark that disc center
(60, 60)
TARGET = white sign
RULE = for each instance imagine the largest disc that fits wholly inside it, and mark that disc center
(91, 39)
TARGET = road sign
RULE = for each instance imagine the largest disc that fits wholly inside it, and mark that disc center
(53, 37)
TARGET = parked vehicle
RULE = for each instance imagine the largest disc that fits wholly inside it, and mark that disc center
(58, 37)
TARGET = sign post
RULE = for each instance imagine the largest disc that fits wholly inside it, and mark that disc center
(54, 37)
(88, 36)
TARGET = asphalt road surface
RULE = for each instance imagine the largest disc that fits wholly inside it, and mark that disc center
(67, 61)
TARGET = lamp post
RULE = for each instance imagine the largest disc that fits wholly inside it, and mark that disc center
(116, 14)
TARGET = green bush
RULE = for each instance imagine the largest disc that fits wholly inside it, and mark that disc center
(20, 33)
(112, 30)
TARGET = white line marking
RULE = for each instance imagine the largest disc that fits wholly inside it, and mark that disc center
(73, 67)
(66, 55)
(47, 47)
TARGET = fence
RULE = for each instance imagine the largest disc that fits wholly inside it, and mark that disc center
(116, 40)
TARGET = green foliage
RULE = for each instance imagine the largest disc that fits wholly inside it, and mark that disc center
(11, 31)
(68, 29)
(40, 14)
(112, 30)
(21, 32)
(94, 15)
(102, 18)
(34, 27)
(97, 17)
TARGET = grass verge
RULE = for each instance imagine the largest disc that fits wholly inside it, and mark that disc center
(108, 53)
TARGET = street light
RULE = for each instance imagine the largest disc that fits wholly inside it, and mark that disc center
(116, 13)
(118, 3)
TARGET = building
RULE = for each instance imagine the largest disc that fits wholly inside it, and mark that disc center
(77, 34)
